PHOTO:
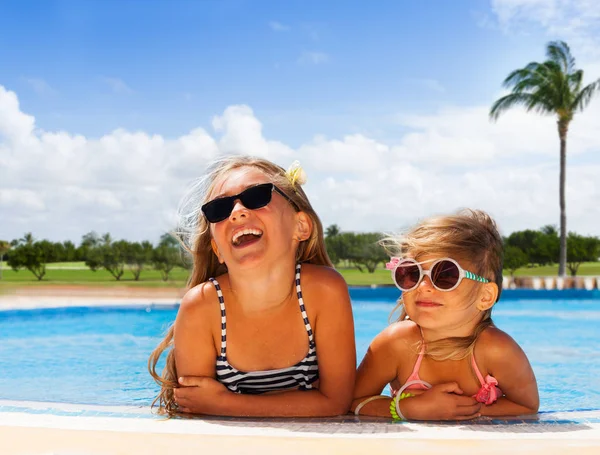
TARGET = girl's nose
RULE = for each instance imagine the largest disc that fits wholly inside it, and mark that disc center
(426, 283)
(238, 210)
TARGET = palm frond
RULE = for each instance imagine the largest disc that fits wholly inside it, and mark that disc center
(541, 103)
(506, 102)
(520, 74)
(575, 80)
(559, 52)
(585, 96)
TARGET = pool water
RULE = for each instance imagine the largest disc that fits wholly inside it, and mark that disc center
(99, 355)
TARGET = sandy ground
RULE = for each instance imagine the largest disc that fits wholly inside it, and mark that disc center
(71, 291)
(29, 441)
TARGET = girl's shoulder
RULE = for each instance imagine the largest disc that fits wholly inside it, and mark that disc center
(495, 345)
(323, 278)
(200, 300)
(324, 291)
(398, 338)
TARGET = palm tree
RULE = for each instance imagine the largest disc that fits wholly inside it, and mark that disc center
(552, 87)
(27, 239)
(332, 230)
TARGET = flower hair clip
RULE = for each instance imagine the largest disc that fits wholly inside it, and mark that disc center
(392, 264)
(296, 174)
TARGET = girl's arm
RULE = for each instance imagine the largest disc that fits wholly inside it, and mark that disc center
(334, 337)
(377, 369)
(194, 342)
(506, 361)
(380, 367)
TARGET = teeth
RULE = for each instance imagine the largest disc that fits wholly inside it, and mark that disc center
(238, 234)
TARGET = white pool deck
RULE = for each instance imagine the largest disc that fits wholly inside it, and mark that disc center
(29, 428)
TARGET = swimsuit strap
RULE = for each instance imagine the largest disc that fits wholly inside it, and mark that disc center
(307, 325)
(223, 318)
(476, 370)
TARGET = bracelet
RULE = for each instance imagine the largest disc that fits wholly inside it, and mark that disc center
(366, 401)
(397, 414)
(394, 408)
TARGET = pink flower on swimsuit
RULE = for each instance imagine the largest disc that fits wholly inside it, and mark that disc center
(489, 392)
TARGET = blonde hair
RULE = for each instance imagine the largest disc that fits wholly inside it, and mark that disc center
(468, 234)
(194, 234)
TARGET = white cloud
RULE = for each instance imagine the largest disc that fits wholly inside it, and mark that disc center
(429, 84)
(313, 58)
(117, 85)
(242, 133)
(576, 21)
(279, 27)
(40, 86)
(14, 124)
(60, 186)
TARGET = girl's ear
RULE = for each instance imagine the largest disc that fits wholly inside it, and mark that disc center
(213, 245)
(487, 296)
(304, 227)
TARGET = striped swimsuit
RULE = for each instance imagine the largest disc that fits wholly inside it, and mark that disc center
(300, 376)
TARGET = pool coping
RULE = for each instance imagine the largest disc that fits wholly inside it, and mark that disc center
(563, 425)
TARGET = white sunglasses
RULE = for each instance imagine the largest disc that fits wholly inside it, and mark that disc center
(445, 274)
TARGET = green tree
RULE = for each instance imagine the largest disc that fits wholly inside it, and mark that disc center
(553, 87)
(332, 230)
(581, 249)
(69, 251)
(546, 246)
(367, 252)
(514, 258)
(88, 241)
(165, 258)
(31, 256)
(109, 255)
(27, 239)
(340, 246)
(137, 255)
(525, 241)
(4, 247)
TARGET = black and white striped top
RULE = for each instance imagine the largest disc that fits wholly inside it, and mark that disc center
(300, 376)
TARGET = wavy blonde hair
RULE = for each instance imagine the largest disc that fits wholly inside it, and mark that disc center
(194, 234)
(468, 234)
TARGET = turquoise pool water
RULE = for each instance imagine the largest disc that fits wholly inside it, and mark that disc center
(98, 355)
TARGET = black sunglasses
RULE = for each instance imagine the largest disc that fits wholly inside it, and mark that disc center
(252, 198)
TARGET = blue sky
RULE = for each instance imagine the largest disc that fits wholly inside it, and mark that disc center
(308, 80)
(305, 67)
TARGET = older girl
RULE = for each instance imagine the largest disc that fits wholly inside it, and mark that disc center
(266, 327)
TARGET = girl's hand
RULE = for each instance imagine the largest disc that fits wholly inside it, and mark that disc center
(441, 402)
(195, 392)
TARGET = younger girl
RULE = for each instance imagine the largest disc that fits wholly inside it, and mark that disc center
(266, 327)
(444, 358)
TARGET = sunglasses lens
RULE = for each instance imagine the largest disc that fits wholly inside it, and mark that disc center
(218, 209)
(407, 275)
(257, 196)
(445, 274)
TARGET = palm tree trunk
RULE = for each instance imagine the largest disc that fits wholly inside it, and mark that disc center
(563, 127)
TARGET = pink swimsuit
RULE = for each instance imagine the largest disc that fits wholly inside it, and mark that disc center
(487, 394)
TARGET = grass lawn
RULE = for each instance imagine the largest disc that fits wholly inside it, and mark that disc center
(86, 277)
(586, 268)
(75, 273)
